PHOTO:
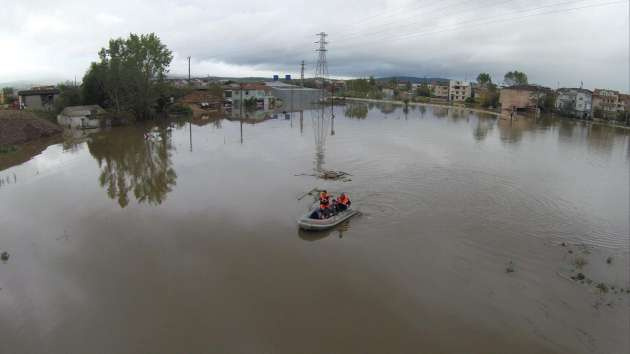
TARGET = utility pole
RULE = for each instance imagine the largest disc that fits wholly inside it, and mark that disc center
(321, 69)
(302, 74)
(189, 70)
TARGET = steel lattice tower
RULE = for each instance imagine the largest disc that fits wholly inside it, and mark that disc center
(321, 69)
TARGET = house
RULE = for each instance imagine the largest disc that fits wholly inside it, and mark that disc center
(575, 102)
(38, 98)
(202, 100)
(259, 92)
(606, 103)
(440, 88)
(459, 91)
(82, 117)
(521, 98)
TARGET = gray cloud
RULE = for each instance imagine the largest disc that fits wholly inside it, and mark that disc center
(450, 38)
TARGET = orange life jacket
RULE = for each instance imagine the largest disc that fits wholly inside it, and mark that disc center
(343, 199)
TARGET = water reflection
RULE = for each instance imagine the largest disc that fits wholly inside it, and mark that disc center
(135, 160)
(359, 111)
(482, 128)
(312, 236)
(320, 130)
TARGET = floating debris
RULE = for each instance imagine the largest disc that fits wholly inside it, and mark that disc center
(510, 268)
(4, 256)
(609, 260)
(602, 287)
(580, 262)
(330, 175)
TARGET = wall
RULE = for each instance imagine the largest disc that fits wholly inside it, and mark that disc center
(521, 99)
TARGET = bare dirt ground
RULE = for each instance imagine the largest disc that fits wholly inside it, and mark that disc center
(17, 127)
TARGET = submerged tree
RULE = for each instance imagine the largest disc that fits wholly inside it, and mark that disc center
(129, 74)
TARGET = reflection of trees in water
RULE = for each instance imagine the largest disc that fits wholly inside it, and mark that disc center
(130, 162)
(359, 111)
(482, 128)
(423, 110)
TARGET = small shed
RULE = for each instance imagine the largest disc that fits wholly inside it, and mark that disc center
(82, 117)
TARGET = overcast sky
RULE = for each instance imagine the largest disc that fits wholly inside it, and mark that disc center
(56, 40)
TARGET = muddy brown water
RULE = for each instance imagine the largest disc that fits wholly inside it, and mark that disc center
(182, 238)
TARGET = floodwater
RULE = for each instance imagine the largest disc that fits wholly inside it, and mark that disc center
(181, 238)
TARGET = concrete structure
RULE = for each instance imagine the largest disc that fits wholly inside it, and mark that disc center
(575, 102)
(294, 96)
(521, 98)
(82, 117)
(440, 89)
(459, 91)
(38, 98)
(249, 91)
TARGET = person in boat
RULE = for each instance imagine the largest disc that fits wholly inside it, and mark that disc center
(324, 198)
(343, 202)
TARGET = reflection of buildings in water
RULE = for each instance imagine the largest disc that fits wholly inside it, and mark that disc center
(601, 139)
(511, 130)
(320, 130)
(73, 138)
(440, 112)
(387, 108)
(135, 161)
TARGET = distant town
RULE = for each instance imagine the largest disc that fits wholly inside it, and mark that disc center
(216, 95)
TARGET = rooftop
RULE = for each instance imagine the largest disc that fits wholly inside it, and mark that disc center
(48, 90)
(78, 111)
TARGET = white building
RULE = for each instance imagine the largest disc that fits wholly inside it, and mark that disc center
(83, 117)
(248, 91)
(459, 91)
(575, 101)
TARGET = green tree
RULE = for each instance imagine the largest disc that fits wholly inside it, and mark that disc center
(69, 95)
(93, 85)
(371, 81)
(424, 90)
(484, 79)
(130, 74)
(515, 78)
(8, 93)
(489, 97)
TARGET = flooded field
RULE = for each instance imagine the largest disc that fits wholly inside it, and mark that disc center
(477, 235)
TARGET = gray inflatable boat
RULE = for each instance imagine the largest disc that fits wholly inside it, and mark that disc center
(306, 223)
